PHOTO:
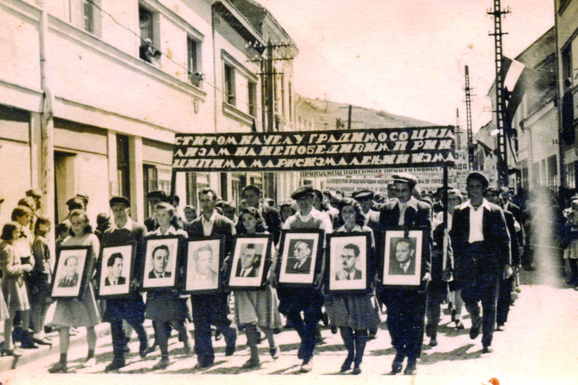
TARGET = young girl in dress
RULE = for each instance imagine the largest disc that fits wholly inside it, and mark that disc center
(354, 314)
(166, 307)
(257, 307)
(13, 286)
(78, 312)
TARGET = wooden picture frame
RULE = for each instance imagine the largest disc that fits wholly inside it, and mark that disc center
(204, 277)
(115, 270)
(250, 261)
(347, 263)
(70, 273)
(402, 258)
(300, 257)
(161, 262)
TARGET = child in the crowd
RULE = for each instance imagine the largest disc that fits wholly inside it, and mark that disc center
(40, 279)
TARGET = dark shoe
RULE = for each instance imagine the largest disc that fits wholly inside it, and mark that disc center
(148, 350)
(356, 371)
(15, 352)
(143, 351)
(58, 368)
(42, 341)
(162, 364)
(459, 325)
(397, 364)
(346, 364)
(115, 365)
(500, 328)
(230, 350)
(307, 366)
(251, 363)
(410, 369)
(333, 329)
(204, 364)
(274, 353)
(218, 335)
(27, 341)
(433, 342)
(487, 348)
(475, 330)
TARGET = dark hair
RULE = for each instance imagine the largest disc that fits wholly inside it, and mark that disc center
(166, 206)
(28, 202)
(160, 247)
(112, 258)
(359, 217)
(261, 226)
(102, 219)
(81, 213)
(409, 241)
(41, 221)
(8, 230)
(207, 191)
(353, 247)
(251, 187)
(20, 211)
(75, 203)
(61, 227)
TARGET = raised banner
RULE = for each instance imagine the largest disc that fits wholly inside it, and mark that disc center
(312, 150)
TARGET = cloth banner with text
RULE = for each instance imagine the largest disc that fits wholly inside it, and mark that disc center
(311, 150)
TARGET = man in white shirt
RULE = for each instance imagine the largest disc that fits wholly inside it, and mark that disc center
(481, 246)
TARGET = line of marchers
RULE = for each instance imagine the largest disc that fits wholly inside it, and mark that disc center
(286, 164)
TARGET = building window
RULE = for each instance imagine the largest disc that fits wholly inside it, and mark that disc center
(151, 183)
(230, 85)
(196, 76)
(88, 11)
(252, 89)
(148, 49)
(123, 165)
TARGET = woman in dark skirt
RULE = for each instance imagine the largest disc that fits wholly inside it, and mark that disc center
(166, 307)
(354, 314)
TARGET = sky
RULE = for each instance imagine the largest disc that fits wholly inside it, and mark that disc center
(405, 57)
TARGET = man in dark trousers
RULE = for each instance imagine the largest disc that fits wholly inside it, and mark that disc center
(481, 246)
(130, 308)
(252, 195)
(406, 307)
(211, 308)
(309, 300)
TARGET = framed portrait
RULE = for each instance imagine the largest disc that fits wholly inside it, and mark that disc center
(300, 257)
(70, 274)
(250, 261)
(402, 258)
(203, 265)
(115, 270)
(160, 267)
(347, 263)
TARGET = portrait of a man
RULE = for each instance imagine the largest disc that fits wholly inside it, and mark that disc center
(402, 258)
(160, 261)
(249, 261)
(348, 259)
(115, 264)
(300, 260)
(204, 274)
(71, 275)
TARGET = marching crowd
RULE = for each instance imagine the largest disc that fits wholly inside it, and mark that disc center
(472, 250)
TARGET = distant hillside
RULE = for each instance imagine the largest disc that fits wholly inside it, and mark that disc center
(327, 113)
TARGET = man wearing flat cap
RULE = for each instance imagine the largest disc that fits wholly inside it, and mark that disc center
(482, 256)
(406, 307)
(365, 199)
(154, 198)
(130, 308)
(308, 300)
(252, 196)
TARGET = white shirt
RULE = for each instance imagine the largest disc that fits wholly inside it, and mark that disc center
(477, 221)
(128, 225)
(208, 224)
(171, 231)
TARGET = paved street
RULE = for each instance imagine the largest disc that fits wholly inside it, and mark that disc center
(538, 346)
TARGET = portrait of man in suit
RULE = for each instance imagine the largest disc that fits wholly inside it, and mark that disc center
(300, 261)
(160, 260)
(205, 277)
(348, 259)
(248, 265)
(402, 258)
(71, 276)
(115, 264)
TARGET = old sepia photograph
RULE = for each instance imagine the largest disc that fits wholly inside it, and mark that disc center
(161, 262)
(70, 272)
(402, 259)
(203, 266)
(250, 261)
(115, 269)
(348, 262)
(299, 253)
